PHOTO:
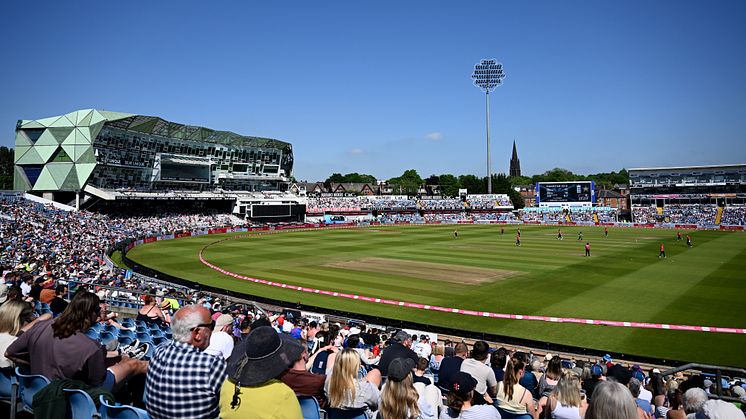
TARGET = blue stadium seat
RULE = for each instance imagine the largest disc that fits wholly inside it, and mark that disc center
(126, 333)
(128, 322)
(158, 340)
(80, 404)
(93, 334)
(112, 329)
(97, 327)
(309, 407)
(144, 337)
(29, 385)
(9, 390)
(106, 337)
(125, 340)
(120, 412)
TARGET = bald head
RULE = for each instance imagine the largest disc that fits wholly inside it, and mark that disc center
(191, 324)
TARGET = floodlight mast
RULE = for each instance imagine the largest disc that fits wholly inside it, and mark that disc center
(488, 74)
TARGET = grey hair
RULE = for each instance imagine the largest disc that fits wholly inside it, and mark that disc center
(694, 399)
(719, 409)
(634, 387)
(611, 400)
(181, 326)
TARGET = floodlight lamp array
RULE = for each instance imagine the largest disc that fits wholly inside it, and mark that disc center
(488, 74)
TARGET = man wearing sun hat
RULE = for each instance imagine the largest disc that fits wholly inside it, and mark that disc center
(221, 341)
(252, 388)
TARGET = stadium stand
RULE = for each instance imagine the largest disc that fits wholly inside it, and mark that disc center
(734, 215)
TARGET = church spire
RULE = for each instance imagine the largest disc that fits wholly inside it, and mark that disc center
(515, 163)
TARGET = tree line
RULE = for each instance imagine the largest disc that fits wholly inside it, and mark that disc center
(410, 182)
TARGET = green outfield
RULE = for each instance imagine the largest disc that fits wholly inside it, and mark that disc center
(483, 270)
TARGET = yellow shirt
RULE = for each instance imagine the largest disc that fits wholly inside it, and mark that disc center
(273, 400)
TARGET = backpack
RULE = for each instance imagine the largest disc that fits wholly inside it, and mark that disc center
(319, 363)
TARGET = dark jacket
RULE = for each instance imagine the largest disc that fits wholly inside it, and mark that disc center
(50, 402)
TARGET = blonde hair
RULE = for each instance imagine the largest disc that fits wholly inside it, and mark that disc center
(440, 349)
(12, 316)
(342, 381)
(567, 390)
(399, 399)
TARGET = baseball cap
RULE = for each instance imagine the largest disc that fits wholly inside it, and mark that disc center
(223, 320)
(463, 383)
(400, 368)
(607, 358)
(597, 370)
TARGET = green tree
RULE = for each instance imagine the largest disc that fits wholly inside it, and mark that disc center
(350, 178)
(473, 184)
(408, 183)
(6, 168)
(449, 185)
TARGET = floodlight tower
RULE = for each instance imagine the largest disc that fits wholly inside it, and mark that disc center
(488, 74)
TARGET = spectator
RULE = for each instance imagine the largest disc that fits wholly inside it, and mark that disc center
(221, 340)
(459, 402)
(565, 401)
(58, 303)
(551, 377)
(399, 348)
(597, 376)
(423, 348)
(634, 386)
(419, 372)
(451, 365)
(15, 317)
(476, 367)
(497, 362)
(150, 313)
(183, 381)
(253, 388)
(611, 400)
(303, 382)
(58, 348)
(399, 399)
(676, 405)
(719, 409)
(694, 399)
(511, 396)
(366, 357)
(435, 359)
(345, 390)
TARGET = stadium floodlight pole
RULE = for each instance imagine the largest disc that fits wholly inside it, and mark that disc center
(488, 74)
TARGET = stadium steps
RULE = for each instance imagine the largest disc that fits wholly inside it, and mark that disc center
(719, 215)
(595, 217)
(567, 218)
(659, 210)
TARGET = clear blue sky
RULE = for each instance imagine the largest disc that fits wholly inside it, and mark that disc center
(383, 86)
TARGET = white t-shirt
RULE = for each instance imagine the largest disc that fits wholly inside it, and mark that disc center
(482, 411)
(646, 395)
(481, 372)
(5, 340)
(423, 349)
(221, 345)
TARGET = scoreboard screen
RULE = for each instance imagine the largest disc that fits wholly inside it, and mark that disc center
(565, 192)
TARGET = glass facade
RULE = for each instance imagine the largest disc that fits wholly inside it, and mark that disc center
(116, 151)
(694, 184)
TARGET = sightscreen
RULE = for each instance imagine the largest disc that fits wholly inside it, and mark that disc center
(267, 211)
(565, 192)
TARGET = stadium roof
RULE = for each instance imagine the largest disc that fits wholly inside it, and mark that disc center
(712, 166)
(156, 126)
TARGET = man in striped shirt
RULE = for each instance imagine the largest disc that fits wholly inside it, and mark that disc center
(183, 381)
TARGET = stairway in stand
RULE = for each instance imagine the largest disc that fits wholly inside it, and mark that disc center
(719, 215)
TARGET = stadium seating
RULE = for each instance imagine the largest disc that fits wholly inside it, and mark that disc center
(110, 411)
(9, 390)
(309, 407)
(29, 385)
(80, 404)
